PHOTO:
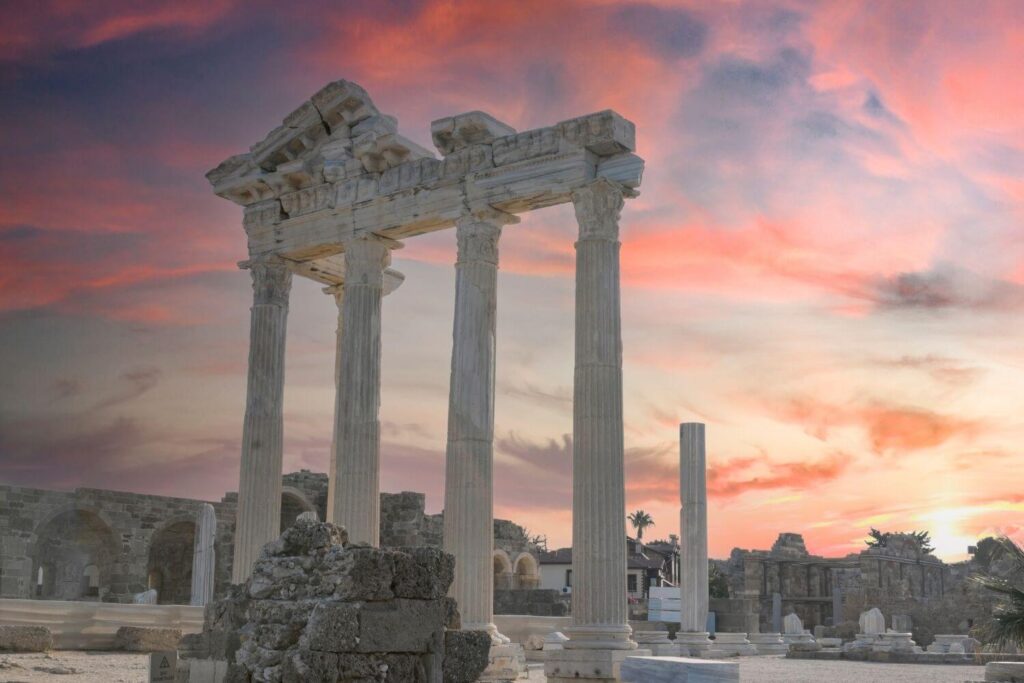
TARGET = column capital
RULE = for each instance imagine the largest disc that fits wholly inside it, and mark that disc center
(478, 233)
(337, 291)
(271, 280)
(598, 205)
(366, 257)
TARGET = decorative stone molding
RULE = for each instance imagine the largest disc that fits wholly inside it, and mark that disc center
(271, 282)
(598, 206)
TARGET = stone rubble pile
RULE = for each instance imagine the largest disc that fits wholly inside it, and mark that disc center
(319, 609)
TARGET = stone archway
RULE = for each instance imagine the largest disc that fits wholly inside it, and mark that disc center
(293, 504)
(73, 556)
(169, 568)
(502, 570)
(527, 573)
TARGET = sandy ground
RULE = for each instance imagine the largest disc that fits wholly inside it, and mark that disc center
(75, 667)
(106, 667)
(781, 670)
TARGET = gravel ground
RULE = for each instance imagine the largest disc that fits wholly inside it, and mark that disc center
(106, 667)
(781, 670)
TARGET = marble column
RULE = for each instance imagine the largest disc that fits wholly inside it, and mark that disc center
(259, 489)
(693, 544)
(469, 486)
(600, 636)
(356, 503)
(338, 292)
(203, 558)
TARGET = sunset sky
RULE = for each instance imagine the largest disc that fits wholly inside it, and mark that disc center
(825, 264)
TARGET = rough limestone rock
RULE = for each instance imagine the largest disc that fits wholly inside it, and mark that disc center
(465, 655)
(319, 609)
(144, 639)
(25, 639)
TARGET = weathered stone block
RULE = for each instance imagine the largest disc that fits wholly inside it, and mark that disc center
(400, 625)
(381, 667)
(143, 639)
(423, 573)
(25, 639)
(333, 627)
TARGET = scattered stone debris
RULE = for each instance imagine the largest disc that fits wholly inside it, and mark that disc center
(319, 609)
(57, 670)
(25, 638)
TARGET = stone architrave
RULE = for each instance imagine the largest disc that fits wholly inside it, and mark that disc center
(259, 489)
(600, 635)
(469, 481)
(203, 558)
(356, 477)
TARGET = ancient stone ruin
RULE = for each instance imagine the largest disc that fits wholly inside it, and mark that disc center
(317, 608)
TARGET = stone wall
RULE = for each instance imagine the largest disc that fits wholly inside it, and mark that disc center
(102, 545)
(898, 579)
(93, 544)
(541, 602)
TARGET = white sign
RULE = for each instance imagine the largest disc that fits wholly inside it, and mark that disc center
(163, 666)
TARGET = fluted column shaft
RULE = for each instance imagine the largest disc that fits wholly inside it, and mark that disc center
(259, 489)
(338, 292)
(356, 503)
(203, 558)
(469, 488)
(599, 609)
(693, 527)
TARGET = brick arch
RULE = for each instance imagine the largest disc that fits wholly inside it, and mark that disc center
(73, 549)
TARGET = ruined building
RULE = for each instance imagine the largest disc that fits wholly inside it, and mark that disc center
(101, 545)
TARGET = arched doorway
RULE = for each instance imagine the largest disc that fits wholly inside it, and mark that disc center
(73, 557)
(502, 570)
(293, 504)
(169, 569)
(527, 574)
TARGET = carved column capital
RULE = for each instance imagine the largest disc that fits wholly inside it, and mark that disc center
(271, 281)
(338, 292)
(366, 257)
(598, 206)
(478, 233)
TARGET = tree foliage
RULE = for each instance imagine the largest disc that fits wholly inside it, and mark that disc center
(718, 583)
(640, 521)
(1006, 625)
(881, 539)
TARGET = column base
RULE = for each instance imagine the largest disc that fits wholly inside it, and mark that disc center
(768, 643)
(506, 662)
(732, 645)
(693, 643)
(572, 666)
(601, 637)
(657, 642)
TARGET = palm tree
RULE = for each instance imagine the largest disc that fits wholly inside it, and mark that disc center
(640, 521)
(1007, 623)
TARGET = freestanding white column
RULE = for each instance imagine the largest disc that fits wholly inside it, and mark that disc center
(599, 638)
(693, 546)
(203, 558)
(356, 503)
(259, 489)
(338, 292)
(469, 485)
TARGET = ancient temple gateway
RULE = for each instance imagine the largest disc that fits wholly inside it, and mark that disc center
(329, 195)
